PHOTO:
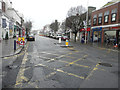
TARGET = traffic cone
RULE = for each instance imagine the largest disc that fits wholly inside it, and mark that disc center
(116, 45)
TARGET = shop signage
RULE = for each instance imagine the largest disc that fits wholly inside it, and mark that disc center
(83, 29)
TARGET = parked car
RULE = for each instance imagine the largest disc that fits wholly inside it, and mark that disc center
(58, 36)
(64, 38)
(30, 37)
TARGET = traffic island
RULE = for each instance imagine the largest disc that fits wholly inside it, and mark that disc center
(64, 46)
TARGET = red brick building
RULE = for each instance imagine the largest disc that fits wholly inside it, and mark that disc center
(105, 22)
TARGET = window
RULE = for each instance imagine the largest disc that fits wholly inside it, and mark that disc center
(0, 6)
(106, 16)
(4, 23)
(3, 6)
(113, 15)
(94, 19)
(100, 18)
(106, 19)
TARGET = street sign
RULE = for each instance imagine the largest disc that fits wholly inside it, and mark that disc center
(21, 38)
(21, 41)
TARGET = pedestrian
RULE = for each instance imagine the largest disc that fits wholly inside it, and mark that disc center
(82, 40)
(108, 41)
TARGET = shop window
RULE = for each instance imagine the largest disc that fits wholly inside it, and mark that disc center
(106, 17)
(113, 15)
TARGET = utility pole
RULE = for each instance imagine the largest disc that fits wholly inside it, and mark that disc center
(86, 23)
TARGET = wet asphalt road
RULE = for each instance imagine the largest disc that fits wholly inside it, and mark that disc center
(44, 64)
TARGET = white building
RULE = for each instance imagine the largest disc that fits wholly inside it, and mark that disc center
(10, 20)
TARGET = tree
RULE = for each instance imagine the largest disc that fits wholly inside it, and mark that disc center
(75, 19)
(28, 26)
(54, 26)
(76, 10)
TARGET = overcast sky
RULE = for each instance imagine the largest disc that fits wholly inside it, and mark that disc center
(43, 12)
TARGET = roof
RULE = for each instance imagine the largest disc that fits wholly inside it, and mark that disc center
(111, 2)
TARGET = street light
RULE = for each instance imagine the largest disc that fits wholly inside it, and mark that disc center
(86, 22)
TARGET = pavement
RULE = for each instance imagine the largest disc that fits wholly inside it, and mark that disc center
(96, 45)
(7, 48)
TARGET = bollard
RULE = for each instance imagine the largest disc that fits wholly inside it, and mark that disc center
(66, 42)
(14, 45)
(59, 39)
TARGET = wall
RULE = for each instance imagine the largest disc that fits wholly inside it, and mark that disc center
(102, 10)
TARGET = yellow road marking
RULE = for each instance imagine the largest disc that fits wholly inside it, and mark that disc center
(77, 60)
(53, 59)
(95, 68)
(59, 70)
(51, 74)
(50, 53)
(75, 64)
(70, 74)
(71, 57)
(20, 76)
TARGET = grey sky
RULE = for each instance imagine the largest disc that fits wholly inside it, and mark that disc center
(43, 12)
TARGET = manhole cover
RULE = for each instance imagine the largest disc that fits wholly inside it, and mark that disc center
(105, 64)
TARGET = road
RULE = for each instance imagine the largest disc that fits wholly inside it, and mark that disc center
(45, 64)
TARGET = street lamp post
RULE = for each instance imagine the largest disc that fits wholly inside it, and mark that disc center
(86, 23)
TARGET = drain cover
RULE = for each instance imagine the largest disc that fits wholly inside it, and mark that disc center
(105, 64)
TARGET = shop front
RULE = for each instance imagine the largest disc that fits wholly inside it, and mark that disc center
(82, 34)
(111, 36)
(97, 34)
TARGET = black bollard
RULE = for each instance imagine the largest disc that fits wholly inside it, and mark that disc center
(14, 45)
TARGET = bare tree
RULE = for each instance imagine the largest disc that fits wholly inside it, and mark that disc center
(75, 19)
(28, 26)
(76, 10)
(54, 26)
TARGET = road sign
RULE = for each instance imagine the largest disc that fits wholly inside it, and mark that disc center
(21, 38)
(21, 41)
